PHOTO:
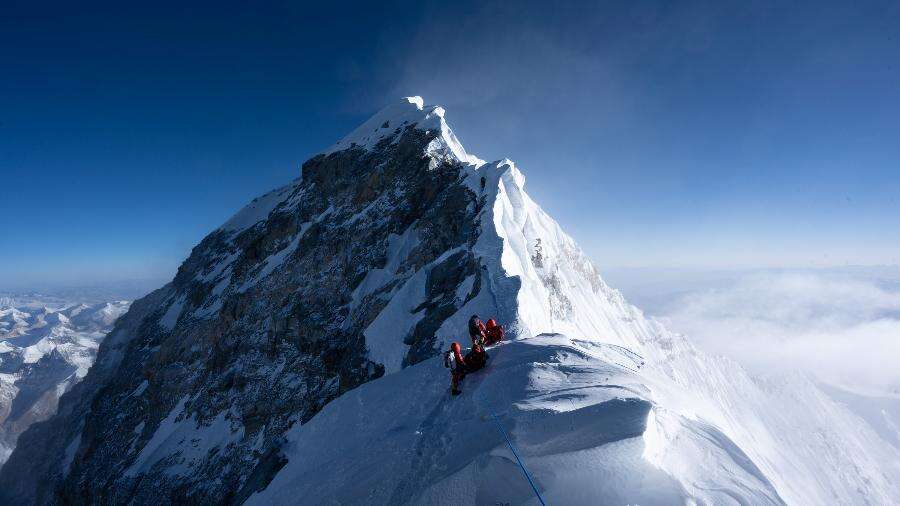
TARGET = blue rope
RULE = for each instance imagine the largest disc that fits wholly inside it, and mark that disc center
(513, 449)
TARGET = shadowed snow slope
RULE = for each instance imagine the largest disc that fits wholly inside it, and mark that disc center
(577, 418)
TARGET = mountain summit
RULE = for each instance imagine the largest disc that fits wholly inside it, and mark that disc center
(292, 356)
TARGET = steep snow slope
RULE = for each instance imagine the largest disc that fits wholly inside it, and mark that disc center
(881, 411)
(584, 421)
(369, 264)
(44, 350)
(812, 449)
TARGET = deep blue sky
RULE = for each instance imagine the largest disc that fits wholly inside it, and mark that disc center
(697, 134)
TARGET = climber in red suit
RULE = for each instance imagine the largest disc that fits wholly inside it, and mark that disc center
(493, 333)
(454, 361)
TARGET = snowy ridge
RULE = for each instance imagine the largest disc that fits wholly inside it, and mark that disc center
(579, 421)
(560, 290)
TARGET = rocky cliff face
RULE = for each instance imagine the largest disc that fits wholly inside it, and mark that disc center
(265, 323)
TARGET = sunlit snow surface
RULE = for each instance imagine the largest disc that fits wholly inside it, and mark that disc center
(577, 412)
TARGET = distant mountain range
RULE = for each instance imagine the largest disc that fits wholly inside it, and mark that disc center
(46, 346)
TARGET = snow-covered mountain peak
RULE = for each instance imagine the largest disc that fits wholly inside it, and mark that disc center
(410, 112)
(417, 101)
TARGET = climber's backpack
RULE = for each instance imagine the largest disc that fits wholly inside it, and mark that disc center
(449, 360)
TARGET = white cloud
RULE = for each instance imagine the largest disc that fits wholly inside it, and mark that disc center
(843, 328)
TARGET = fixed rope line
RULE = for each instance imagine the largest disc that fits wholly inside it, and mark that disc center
(515, 454)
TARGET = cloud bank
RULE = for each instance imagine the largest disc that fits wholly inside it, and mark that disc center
(843, 328)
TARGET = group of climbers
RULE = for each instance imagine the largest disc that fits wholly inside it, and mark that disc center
(482, 335)
(492, 333)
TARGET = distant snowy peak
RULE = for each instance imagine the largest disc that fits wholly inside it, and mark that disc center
(30, 334)
(390, 122)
